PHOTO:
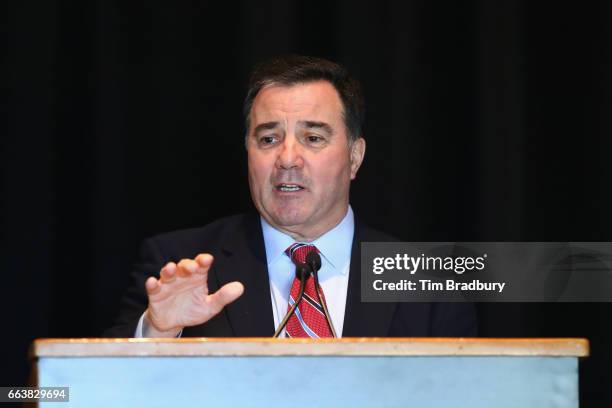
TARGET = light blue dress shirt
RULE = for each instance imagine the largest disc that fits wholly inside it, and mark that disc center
(335, 248)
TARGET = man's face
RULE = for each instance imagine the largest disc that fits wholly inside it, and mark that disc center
(300, 161)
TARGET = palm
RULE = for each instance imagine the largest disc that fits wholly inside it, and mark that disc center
(180, 298)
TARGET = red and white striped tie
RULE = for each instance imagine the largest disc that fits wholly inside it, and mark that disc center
(309, 318)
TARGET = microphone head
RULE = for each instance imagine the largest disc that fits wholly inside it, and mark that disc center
(302, 271)
(313, 259)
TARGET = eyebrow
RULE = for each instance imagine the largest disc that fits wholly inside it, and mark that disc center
(309, 124)
(266, 126)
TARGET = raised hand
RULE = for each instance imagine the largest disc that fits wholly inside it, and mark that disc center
(180, 298)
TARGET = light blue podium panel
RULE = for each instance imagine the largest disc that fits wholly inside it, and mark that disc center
(325, 373)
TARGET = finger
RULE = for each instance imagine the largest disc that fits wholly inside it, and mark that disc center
(168, 272)
(186, 267)
(204, 260)
(225, 295)
(152, 286)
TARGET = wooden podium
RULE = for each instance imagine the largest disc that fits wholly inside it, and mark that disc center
(350, 372)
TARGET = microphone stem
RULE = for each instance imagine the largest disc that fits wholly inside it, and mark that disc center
(323, 303)
(292, 310)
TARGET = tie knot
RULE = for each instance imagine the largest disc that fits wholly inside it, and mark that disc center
(297, 252)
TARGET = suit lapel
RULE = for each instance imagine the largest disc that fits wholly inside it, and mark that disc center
(243, 259)
(360, 318)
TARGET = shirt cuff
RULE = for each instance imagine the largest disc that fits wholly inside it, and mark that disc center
(138, 332)
(141, 328)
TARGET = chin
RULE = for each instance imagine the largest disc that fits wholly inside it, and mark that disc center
(287, 217)
(288, 220)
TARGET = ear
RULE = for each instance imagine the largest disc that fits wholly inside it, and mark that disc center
(357, 152)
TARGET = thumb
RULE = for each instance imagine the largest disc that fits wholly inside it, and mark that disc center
(225, 295)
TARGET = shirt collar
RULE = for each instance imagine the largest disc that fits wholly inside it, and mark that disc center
(335, 245)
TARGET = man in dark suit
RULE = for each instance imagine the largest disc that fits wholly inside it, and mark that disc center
(235, 277)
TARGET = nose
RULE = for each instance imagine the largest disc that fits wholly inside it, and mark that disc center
(289, 154)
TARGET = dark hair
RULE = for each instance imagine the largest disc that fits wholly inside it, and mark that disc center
(295, 69)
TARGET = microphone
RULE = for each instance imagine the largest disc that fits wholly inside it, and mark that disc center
(302, 272)
(313, 260)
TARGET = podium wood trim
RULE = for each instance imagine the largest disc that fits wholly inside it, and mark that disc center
(98, 347)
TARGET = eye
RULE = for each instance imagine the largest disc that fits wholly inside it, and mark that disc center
(267, 140)
(314, 139)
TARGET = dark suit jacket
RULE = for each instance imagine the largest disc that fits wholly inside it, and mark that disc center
(238, 248)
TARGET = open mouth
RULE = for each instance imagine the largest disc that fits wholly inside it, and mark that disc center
(288, 188)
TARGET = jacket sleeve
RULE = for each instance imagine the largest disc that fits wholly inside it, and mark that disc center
(453, 320)
(135, 300)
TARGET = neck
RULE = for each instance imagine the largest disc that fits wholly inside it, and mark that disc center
(301, 233)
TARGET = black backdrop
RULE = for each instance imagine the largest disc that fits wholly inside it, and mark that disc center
(487, 120)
